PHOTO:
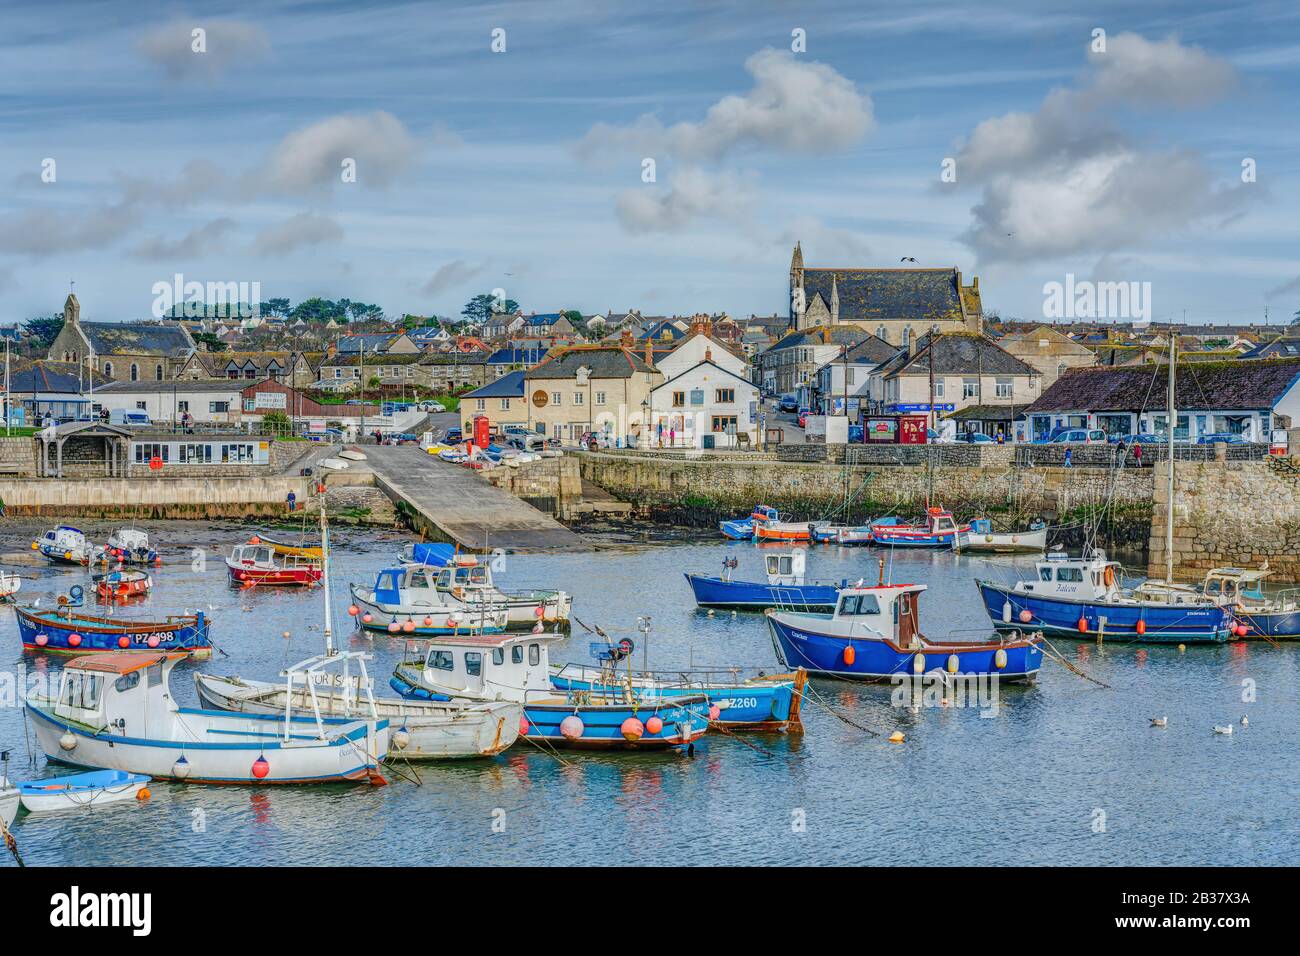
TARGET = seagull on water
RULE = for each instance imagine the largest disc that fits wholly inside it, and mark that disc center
(1224, 730)
(1159, 721)
(1245, 721)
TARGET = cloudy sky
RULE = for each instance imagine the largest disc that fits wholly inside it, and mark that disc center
(524, 169)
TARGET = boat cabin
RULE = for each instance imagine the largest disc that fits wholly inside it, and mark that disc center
(765, 513)
(117, 692)
(938, 521)
(63, 538)
(491, 667)
(263, 557)
(786, 569)
(129, 539)
(477, 577)
(391, 582)
(891, 610)
(1235, 585)
(1089, 578)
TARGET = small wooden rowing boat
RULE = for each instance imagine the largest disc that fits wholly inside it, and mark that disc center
(95, 788)
(121, 585)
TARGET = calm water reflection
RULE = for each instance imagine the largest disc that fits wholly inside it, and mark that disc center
(1031, 784)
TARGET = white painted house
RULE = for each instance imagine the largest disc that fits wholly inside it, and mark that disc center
(699, 347)
(206, 400)
(706, 406)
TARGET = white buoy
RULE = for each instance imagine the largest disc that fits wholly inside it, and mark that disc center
(1006, 612)
(953, 663)
(1000, 659)
(68, 741)
(709, 612)
(1245, 721)
(401, 738)
(918, 663)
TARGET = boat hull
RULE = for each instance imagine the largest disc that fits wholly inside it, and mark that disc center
(742, 529)
(10, 801)
(1162, 623)
(800, 644)
(432, 731)
(1020, 542)
(1279, 625)
(754, 596)
(751, 705)
(79, 791)
(439, 618)
(349, 756)
(52, 632)
(273, 577)
(904, 536)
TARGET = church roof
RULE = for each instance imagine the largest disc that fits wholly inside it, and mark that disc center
(137, 338)
(871, 295)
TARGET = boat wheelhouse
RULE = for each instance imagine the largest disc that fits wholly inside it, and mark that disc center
(129, 546)
(939, 531)
(1273, 615)
(407, 600)
(117, 712)
(121, 585)
(469, 579)
(64, 545)
(785, 586)
(260, 565)
(875, 634)
(1082, 596)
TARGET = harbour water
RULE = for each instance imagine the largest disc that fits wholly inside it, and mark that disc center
(1063, 772)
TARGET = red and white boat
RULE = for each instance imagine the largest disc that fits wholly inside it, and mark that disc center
(939, 531)
(253, 565)
(121, 585)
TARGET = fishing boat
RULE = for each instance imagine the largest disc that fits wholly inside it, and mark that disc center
(10, 584)
(790, 530)
(407, 600)
(79, 791)
(117, 712)
(129, 546)
(980, 538)
(785, 586)
(64, 545)
(517, 667)
(938, 531)
(300, 550)
(742, 529)
(469, 579)
(121, 585)
(1080, 597)
(260, 565)
(64, 629)
(1273, 616)
(762, 702)
(10, 801)
(874, 634)
(862, 534)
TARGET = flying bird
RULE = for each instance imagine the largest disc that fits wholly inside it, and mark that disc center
(907, 259)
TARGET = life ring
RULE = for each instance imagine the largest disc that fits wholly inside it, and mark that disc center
(1109, 576)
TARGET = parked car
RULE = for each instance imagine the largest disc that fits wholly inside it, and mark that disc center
(1226, 437)
(453, 435)
(1079, 436)
(788, 403)
(432, 407)
(1141, 438)
(129, 418)
(975, 438)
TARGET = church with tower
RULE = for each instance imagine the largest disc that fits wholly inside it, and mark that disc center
(125, 351)
(897, 305)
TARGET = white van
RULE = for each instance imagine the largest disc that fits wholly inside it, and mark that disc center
(131, 418)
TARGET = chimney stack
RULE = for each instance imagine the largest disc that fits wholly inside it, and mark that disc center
(650, 352)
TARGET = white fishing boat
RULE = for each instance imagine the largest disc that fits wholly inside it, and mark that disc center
(80, 791)
(407, 600)
(420, 730)
(129, 545)
(351, 454)
(10, 584)
(982, 539)
(334, 464)
(10, 800)
(64, 545)
(468, 578)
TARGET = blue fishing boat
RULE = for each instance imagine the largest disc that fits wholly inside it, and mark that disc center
(874, 634)
(517, 668)
(94, 788)
(764, 702)
(939, 531)
(785, 586)
(738, 529)
(66, 630)
(1081, 597)
(1273, 616)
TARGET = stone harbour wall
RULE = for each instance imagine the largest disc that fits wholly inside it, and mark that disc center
(550, 484)
(1233, 513)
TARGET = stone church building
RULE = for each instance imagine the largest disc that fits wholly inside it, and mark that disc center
(125, 351)
(896, 305)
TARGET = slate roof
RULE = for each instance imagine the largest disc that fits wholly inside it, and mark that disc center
(513, 356)
(374, 360)
(725, 371)
(959, 353)
(181, 386)
(137, 338)
(1284, 346)
(510, 385)
(604, 362)
(659, 329)
(821, 335)
(218, 362)
(374, 341)
(58, 377)
(448, 358)
(872, 350)
(1243, 384)
(870, 295)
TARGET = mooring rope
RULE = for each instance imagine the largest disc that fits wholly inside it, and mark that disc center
(1064, 662)
(10, 843)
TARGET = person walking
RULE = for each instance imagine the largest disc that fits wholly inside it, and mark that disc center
(1137, 454)
(1069, 458)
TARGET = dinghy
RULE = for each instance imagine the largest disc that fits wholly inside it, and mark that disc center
(10, 584)
(121, 585)
(407, 600)
(96, 788)
(785, 586)
(874, 634)
(66, 630)
(351, 454)
(791, 530)
(260, 565)
(982, 539)
(10, 801)
(117, 712)
(64, 545)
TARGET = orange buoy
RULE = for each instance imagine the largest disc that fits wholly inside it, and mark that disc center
(850, 655)
(654, 725)
(1083, 625)
(632, 729)
(1141, 627)
(143, 794)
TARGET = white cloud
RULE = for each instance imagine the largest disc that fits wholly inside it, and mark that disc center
(51, 232)
(832, 244)
(692, 193)
(449, 275)
(209, 237)
(304, 229)
(794, 106)
(312, 158)
(1138, 70)
(226, 43)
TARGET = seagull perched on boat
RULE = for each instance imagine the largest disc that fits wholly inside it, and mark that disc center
(1159, 721)
(1224, 730)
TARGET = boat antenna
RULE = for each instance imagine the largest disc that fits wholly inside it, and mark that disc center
(1172, 425)
(325, 573)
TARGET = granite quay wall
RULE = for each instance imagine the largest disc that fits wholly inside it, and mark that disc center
(702, 491)
(551, 485)
(156, 498)
(1234, 513)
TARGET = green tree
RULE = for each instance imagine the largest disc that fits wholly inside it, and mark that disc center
(210, 341)
(574, 317)
(39, 333)
(481, 307)
(275, 307)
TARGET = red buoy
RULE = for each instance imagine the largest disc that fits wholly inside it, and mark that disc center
(632, 729)
(124, 642)
(654, 725)
(850, 655)
(1083, 624)
(74, 640)
(354, 610)
(1141, 627)
(523, 726)
(714, 712)
(1242, 630)
(1026, 616)
(261, 768)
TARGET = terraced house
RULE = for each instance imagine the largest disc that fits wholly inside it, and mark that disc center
(591, 388)
(252, 366)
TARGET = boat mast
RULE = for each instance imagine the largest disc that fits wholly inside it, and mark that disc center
(1169, 494)
(325, 575)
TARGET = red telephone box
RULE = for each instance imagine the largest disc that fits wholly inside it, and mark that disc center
(482, 432)
(912, 430)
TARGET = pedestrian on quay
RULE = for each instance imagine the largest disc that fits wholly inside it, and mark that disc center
(672, 437)
(1137, 454)
(1069, 458)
